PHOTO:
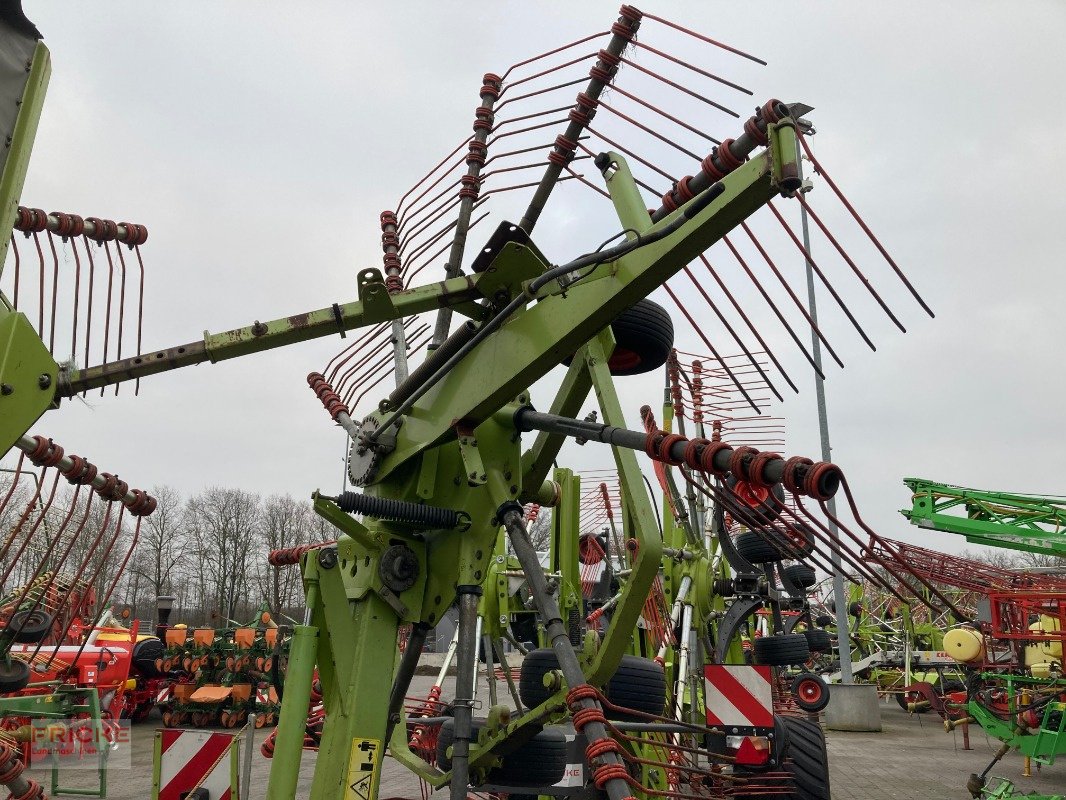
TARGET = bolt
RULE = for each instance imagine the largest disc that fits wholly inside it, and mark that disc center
(473, 476)
(6, 389)
(259, 329)
(44, 380)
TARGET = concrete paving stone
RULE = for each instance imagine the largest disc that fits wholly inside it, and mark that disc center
(913, 758)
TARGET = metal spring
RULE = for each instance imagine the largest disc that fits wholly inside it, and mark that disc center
(398, 510)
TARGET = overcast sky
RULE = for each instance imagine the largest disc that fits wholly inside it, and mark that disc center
(259, 142)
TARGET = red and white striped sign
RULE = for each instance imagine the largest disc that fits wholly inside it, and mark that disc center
(738, 696)
(187, 759)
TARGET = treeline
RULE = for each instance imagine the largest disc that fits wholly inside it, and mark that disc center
(209, 550)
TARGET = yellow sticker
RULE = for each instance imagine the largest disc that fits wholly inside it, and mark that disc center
(363, 765)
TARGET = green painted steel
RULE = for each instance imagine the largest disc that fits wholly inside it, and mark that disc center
(288, 744)
(18, 151)
(27, 377)
(24, 394)
(1024, 522)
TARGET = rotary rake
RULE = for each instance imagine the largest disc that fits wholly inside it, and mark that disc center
(443, 462)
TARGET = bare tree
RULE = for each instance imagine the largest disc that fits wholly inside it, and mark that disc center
(224, 524)
(161, 545)
(540, 529)
(285, 523)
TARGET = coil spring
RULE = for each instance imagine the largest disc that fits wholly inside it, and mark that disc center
(398, 510)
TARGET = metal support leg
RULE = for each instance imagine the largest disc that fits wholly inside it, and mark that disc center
(464, 686)
(486, 645)
(406, 671)
(289, 742)
(511, 514)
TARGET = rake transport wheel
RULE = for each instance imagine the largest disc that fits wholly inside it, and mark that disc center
(644, 337)
(810, 692)
(818, 640)
(763, 547)
(801, 574)
(30, 627)
(638, 683)
(14, 675)
(539, 762)
(781, 650)
(807, 762)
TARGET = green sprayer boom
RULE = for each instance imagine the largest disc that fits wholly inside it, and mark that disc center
(1024, 522)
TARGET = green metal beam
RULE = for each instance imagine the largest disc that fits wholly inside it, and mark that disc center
(374, 306)
(16, 159)
(540, 337)
(1029, 523)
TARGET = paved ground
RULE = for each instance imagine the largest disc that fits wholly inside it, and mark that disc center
(912, 759)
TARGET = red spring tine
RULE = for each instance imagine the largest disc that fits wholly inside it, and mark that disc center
(410, 273)
(660, 112)
(582, 179)
(412, 348)
(107, 312)
(57, 565)
(14, 484)
(40, 287)
(348, 352)
(680, 88)
(848, 260)
(703, 38)
(545, 54)
(121, 302)
(855, 215)
(645, 46)
(18, 265)
(89, 299)
(449, 203)
(711, 347)
(104, 560)
(399, 206)
(140, 312)
(416, 214)
(773, 306)
(875, 537)
(800, 305)
(77, 296)
(55, 292)
(632, 155)
(664, 139)
(733, 333)
(820, 274)
(42, 512)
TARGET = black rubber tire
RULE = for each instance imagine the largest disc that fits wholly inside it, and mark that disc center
(802, 575)
(30, 627)
(818, 640)
(810, 692)
(807, 761)
(539, 762)
(782, 650)
(144, 656)
(903, 699)
(763, 514)
(949, 685)
(638, 683)
(758, 548)
(644, 338)
(854, 609)
(823, 620)
(14, 675)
